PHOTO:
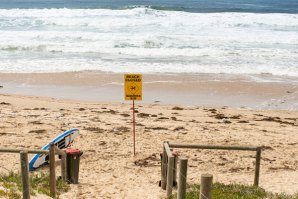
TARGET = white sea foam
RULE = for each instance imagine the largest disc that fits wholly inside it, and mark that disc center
(146, 40)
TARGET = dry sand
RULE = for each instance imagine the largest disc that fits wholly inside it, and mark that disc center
(108, 168)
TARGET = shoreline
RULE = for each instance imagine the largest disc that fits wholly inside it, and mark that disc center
(210, 90)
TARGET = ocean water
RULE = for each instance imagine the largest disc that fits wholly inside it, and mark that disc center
(150, 36)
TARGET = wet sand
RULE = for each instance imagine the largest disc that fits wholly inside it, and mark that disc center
(256, 92)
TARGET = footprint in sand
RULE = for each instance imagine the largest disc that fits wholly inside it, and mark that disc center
(177, 108)
(39, 131)
(179, 128)
(156, 128)
(35, 122)
(162, 118)
(94, 129)
(125, 115)
(143, 115)
(5, 103)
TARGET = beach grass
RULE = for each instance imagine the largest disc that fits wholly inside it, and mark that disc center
(237, 191)
(11, 185)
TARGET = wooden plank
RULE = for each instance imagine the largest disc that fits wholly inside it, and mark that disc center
(192, 146)
(59, 151)
(182, 178)
(7, 150)
(167, 148)
(52, 170)
(25, 174)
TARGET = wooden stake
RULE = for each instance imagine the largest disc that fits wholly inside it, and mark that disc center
(258, 163)
(170, 175)
(182, 178)
(63, 168)
(25, 174)
(62, 153)
(52, 170)
(175, 169)
(206, 186)
(164, 169)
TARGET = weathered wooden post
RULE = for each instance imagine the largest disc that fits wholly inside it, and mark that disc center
(52, 170)
(182, 178)
(62, 153)
(164, 168)
(25, 174)
(206, 186)
(170, 175)
(63, 167)
(175, 154)
(258, 164)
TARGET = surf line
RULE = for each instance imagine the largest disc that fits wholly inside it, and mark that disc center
(133, 91)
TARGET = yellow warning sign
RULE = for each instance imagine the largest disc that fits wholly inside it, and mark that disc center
(133, 86)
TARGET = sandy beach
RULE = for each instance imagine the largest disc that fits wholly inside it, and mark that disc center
(31, 118)
(213, 73)
(250, 91)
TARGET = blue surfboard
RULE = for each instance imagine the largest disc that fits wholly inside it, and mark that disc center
(62, 141)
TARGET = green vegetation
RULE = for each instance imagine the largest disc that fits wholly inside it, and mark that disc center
(236, 191)
(39, 183)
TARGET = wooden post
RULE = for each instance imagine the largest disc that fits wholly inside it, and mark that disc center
(63, 168)
(206, 186)
(62, 153)
(175, 168)
(25, 174)
(164, 169)
(258, 163)
(52, 170)
(170, 175)
(182, 178)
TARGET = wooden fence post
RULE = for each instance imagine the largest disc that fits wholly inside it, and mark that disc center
(52, 170)
(206, 186)
(175, 168)
(62, 153)
(164, 168)
(182, 178)
(63, 167)
(170, 175)
(25, 174)
(258, 164)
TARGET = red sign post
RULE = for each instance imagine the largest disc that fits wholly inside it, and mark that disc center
(133, 91)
